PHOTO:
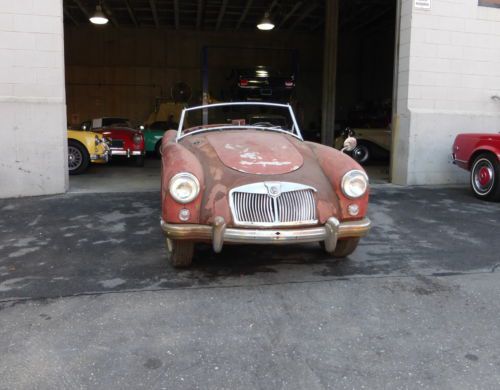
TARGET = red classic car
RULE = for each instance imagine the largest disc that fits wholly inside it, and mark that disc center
(125, 141)
(480, 154)
(229, 179)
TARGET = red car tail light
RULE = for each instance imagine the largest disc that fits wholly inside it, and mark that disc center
(243, 83)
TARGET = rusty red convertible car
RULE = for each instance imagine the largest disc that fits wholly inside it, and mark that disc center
(480, 154)
(227, 179)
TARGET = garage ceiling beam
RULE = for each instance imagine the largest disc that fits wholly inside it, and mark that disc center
(131, 13)
(109, 13)
(304, 15)
(199, 14)
(221, 14)
(371, 20)
(70, 17)
(244, 14)
(176, 14)
(290, 14)
(152, 3)
(82, 8)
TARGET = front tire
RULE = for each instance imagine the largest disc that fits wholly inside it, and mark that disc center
(344, 247)
(157, 149)
(485, 177)
(139, 161)
(78, 158)
(361, 153)
(180, 252)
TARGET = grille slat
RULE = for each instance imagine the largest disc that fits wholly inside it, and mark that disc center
(289, 207)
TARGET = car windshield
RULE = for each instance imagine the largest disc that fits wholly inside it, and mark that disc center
(239, 116)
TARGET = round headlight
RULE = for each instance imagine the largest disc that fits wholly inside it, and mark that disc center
(137, 138)
(354, 184)
(184, 187)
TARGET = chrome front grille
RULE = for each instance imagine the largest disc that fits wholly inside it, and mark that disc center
(273, 204)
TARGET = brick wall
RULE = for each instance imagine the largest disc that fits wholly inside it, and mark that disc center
(449, 72)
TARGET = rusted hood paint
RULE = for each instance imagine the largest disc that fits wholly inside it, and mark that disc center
(256, 152)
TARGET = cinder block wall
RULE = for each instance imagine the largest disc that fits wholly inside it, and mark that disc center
(448, 73)
(33, 146)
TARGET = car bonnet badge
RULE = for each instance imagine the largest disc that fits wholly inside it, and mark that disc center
(273, 189)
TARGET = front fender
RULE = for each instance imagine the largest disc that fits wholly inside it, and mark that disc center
(176, 159)
(335, 165)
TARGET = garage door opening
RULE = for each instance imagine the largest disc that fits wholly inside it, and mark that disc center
(155, 57)
(365, 68)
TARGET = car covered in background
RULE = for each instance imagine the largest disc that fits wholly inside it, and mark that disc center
(84, 148)
(227, 179)
(125, 141)
(372, 144)
(480, 154)
(263, 83)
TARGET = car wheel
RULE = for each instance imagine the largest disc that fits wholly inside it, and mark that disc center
(345, 247)
(78, 158)
(157, 149)
(361, 153)
(485, 177)
(139, 161)
(180, 252)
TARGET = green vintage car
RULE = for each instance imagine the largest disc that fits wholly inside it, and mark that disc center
(153, 135)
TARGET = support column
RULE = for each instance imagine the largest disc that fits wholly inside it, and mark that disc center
(329, 72)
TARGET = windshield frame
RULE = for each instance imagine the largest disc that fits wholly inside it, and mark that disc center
(295, 131)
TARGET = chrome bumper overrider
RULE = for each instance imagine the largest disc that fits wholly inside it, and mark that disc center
(218, 233)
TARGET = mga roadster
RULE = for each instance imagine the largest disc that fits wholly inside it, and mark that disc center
(125, 140)
(480, 154)
(227, 179)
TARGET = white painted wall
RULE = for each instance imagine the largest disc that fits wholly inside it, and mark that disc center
(33, 146)
(449, 71)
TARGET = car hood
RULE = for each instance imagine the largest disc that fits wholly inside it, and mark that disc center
(256, 152)
(118, 133)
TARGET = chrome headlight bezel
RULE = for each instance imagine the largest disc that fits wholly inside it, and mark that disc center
(183, 178)
(349, 178)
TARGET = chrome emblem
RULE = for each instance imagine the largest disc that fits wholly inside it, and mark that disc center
(273, 189)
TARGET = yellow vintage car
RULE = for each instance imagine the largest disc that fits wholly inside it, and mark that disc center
(85, 147)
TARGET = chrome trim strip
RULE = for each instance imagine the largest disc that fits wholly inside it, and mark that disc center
(331, 232)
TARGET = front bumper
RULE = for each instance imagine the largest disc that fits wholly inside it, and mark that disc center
(218, 233)
(126, 152)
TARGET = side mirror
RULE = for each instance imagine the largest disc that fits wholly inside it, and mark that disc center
(350, 144)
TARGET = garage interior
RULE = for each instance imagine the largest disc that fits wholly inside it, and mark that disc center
(151, 49)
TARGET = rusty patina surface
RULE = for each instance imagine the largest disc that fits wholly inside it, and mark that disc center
(230, 158)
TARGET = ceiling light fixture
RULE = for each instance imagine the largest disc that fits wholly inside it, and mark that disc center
(265, 24)
(98, 17)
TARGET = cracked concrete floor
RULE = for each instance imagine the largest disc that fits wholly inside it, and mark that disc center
(87, 300)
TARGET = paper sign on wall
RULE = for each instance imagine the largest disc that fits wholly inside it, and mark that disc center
(490, 3)
(423, 4)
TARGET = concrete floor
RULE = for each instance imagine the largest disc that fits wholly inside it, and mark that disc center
(118, 176)
(87, 300)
